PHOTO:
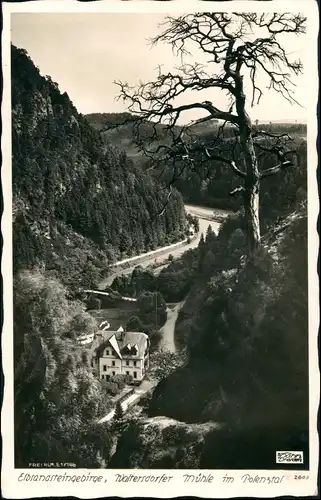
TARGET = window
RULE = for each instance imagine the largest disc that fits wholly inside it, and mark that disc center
(127, 373)
(135, 374)
(107, 352)
(92, 364)
(135, 363)
(113, 363)
(103, 376)
(114, 373)
(105, 368)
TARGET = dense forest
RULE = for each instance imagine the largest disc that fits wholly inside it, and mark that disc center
(57, 397)
(78, 203)
(280, 195)
(243, 333)
(209, 183)
(238, 388)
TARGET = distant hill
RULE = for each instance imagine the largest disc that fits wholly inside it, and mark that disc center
(206, 183)
(299, 122)
(118, 129)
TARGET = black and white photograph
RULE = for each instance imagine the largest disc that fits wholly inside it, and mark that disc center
(187, 2)
(160, 275)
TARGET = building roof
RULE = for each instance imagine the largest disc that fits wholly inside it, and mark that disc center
(125, 344)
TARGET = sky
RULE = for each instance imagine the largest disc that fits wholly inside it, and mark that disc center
(86, 52)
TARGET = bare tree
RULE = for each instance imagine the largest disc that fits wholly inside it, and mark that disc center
(244, 50)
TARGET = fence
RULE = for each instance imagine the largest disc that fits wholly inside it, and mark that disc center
(125, 396)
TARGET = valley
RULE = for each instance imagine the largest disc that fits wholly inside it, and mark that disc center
(118, 316)
(159, 258)
(150, 330)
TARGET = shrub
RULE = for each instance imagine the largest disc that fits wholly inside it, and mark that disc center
(93, 303)
(111, 388)
(119, 380)
(134, 324)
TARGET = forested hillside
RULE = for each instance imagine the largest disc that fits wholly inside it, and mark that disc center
(244, 329)
(208, 183)
(78, 203)
(211, 182)
(117, 129)
(243, 390)
(57, 397)
(238, 389)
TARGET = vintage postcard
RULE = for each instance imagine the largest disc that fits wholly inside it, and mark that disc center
(160, 249)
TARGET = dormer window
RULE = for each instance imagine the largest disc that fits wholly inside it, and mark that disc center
(107, 352)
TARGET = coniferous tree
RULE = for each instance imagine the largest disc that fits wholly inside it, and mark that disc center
(119, 412)
(73, 195)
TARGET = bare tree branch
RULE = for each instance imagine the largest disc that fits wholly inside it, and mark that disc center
(276, 169)
(216, 34)
(237, 47)
(231, 163)
(265, 133)
(239, 189)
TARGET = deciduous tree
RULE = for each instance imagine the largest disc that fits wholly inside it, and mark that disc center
(244, 54)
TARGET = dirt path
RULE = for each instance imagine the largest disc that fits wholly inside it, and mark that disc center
(168, 330)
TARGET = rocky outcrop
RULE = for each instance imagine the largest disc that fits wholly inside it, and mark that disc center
(78, 204)
(162, 443)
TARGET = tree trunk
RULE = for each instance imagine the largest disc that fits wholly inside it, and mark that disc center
(251, 195)
(251, 213)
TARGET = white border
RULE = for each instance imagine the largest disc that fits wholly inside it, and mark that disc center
(11, 486)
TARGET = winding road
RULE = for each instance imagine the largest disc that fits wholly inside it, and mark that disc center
(206, 216)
